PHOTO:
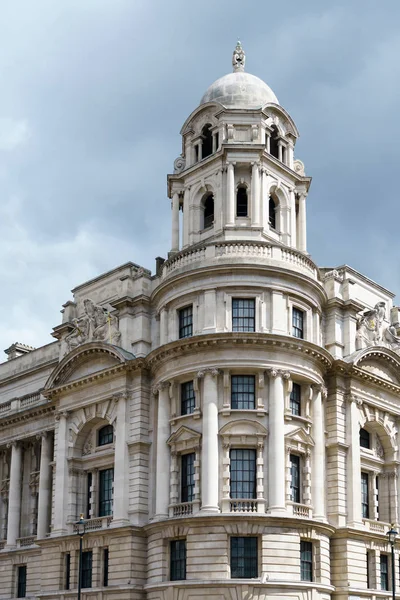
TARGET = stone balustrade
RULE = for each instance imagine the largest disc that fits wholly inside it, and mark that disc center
(376, 526)
(23, 542)
(185, 509)
(243, 506)
(21, 403)
(96, 523)
(302, 511)
(236, 251)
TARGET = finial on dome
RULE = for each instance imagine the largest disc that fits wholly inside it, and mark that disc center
(238, 58)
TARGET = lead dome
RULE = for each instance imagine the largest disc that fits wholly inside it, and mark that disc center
(239, 89)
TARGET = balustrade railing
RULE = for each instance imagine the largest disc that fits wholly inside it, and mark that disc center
(240, 505)
(96, 523)
(376, 526)
(23, 542)
(185, 509)
(303, 511)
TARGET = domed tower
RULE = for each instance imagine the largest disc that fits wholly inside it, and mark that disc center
(237, 364)
(237, 178)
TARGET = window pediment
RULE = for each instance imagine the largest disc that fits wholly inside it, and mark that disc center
(184, 439)
(299, 440)
(243, 432)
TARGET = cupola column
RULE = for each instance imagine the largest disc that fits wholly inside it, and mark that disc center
(14, 498)
(209, 463)
(318, 465)
(255, 200)
(276, 455)
(293, 228)
(185, 232)
(175, 223)
(302, 231)
(231, 194)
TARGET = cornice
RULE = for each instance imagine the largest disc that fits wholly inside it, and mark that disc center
(211, 341)
(351, 370)
(26, 415)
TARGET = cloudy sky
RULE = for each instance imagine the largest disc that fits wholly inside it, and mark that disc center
(92, 97)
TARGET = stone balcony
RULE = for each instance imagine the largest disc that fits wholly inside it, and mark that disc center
(239, 252)
(94, 524)
(376, 526)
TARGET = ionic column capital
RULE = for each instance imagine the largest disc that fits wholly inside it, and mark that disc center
(278, 373)
(320, 389)
(213, 371)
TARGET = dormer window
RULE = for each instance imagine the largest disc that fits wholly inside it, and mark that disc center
(242, 203)
(208, 212)
(207, 145)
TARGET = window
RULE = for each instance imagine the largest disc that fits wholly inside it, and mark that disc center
(105, 435)
(186, 322)
(295, 400)
(243, 473)
(241, 202)
(244, 560)
(106, 478)
(21, 581)
(295, 478)
(365, 495)
(87, 569)
(187, 477)
(272, 212)
(306, 559)
(384, 572)
(243, 392)
(207, 140)
(243, 314)
(89, 495)
(178, 560)
(188, 398)
(273, 142)
(365, 441)
(208, 211)
(105, 567)
(297, 323)
(67, 570)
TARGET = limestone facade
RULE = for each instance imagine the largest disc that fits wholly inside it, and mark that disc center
(228, 426)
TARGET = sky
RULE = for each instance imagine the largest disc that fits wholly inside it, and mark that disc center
(93, 94)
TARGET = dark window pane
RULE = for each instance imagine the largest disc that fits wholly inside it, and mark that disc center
(89, 495)
(297, 323)
(105, 567)
(87, 569)
(67, 570)
(272, 213)
(295, 400)
(178, 560)
(243, 392)
(207, 141)
(187, 477)
(186, 322)
(384, 572)
(209, 211)
(306, 561)
(243, 314)
(188, 399)
(105, 435)
(365, 495)
(295, 477)
(241, 202)
(244, 560)
(364, 438)
(106, 492)
(21, 588)
(243, 473)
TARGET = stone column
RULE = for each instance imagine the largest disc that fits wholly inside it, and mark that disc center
(290, 155)
(255, 196)
(186, 214)
(44, 486)
(163, 453)
(230, 194)
(318, 478)
(175, 223)
(293, 228)
(209, 463)
(302, 225)
(353, 463)
(163, 326)
(276, 455)
(121, 464)
(61, 478)
(14, 498)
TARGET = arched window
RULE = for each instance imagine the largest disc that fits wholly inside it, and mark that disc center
(365, 441)
(207, 141)
(105, 435)
(272, 213)
(241, 202)
(208, 213)
(273, 142)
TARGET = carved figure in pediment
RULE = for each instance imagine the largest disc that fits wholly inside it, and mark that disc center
(370, 327)
(95, 324)
(107, 328)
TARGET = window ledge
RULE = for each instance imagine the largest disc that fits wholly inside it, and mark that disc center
(290, 417)
(196, 414)
(226, 412)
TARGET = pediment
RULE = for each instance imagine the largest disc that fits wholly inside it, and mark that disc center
(184, 438)
(380, 362)
(86, 361)
(379, 371)
(243, 427)
(299, 437)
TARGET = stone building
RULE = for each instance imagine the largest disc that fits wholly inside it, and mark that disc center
(228, 426)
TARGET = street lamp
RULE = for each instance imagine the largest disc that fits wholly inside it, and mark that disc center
(392, 534)
(80, 530)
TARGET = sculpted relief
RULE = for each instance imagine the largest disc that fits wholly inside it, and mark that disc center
(96, 324)
(374, 330)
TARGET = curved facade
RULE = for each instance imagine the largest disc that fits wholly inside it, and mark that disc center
(227, 427)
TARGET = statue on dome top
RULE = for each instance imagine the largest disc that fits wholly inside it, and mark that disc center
(238, 58)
